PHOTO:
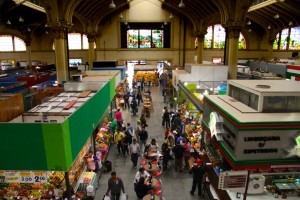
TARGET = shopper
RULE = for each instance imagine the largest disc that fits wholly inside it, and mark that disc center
(139, 97)
(115, 185)
(198, 171)
(127, 142)
(119, 140)
(141, 173)
(130, 130)
(178, 151)
(119, 117)
(133, 105)
(91, 163)
(165, 151)
(126, 99)
(166, 118)
(143, 137)
(134, 151)
(153, 146)
(186, 154)
(113, 125)
(141, 188)
(143, 120)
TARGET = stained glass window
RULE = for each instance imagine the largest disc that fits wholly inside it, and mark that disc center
(295, 38)
(208, 38)
(157, 38)
(132, 38)
(242, 42)
(219, 36)
(284, 39)
(145, 38)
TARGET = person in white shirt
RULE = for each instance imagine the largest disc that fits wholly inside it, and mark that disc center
(141, 173)
(134, 151)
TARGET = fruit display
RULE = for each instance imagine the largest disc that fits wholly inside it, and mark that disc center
(56, 178)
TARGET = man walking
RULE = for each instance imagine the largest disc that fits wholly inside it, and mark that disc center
(178, 151)
(115, 185)
(134, 151)
(198, 171)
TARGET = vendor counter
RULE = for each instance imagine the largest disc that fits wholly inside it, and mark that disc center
(265, 196)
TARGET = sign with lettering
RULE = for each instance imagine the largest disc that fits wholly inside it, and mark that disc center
(12, 177)
(39, 177)
(26, 177)
(263, 144)
(233, 180)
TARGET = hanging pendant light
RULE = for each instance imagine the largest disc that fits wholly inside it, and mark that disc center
(291, 23)
(128, 26)
(249, 30)
(165, 23)
(276, 16)
(181, 4)
(162, 26)
(249, 23)
(171, 16)
(21, 19)
(269, 27)
(121, 16)
(112, 4)
(28, 29)
(8, 22)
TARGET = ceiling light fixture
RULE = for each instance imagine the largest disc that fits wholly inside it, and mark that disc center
(181, 4)
(171, 16)
(249, 22)
(162, 26)
(46, 32)
(8, 22)
(269, 27)
(125, 23)
(128, 26)
(291, 23)
(21, 19)
(249, 30)
(165, 23)
(28, 29)
(276, 16)
(121, 16)
(46, 25)
(112, 4)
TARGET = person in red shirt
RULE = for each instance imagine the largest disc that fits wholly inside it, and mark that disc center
(119, 117)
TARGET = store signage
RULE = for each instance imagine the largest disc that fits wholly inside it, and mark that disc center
(233, 180)
(295, 151)
(12, 177)
(26, 177)
(23, 177)
(40, 177)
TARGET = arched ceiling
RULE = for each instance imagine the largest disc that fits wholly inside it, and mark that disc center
(97, 12)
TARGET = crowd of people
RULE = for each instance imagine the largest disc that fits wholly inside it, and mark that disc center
(134, 142)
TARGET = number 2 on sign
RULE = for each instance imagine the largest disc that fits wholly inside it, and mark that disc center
(38, 179)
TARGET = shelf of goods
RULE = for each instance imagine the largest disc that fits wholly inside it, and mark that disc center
(193, 131)
(103, 142)
(41, 184)
(31, 184)
(87, 178)
(149, 76)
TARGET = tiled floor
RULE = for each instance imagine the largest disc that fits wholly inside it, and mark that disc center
(175, 186)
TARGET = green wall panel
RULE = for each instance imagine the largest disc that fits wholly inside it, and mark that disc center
(22, 147)
(112, 88)
(86, 118)
(57, 146)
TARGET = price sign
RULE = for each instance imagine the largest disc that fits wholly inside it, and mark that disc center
(40, 177)
(2, 179)
(12, 177)
(26, 177)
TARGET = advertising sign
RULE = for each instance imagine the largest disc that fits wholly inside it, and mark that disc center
(235, 181)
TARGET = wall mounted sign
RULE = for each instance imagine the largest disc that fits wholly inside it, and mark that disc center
(233, 180)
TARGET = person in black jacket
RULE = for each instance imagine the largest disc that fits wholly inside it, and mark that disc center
(133, 105)
(143, 137)
(178, 151)
(198, 171)
(165, 151)
(166, 118)
(141, 188)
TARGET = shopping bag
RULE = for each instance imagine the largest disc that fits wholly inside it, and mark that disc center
(106, 197)
(123, 196)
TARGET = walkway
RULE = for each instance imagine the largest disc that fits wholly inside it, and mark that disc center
(175, 186)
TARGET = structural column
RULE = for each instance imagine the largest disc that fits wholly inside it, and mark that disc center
(232, 53)
(92, 55)
(200, 48)
(61, 54)
(28, 53)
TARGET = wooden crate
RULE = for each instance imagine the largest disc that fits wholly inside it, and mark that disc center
(11, 106)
